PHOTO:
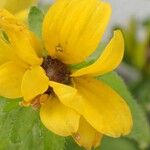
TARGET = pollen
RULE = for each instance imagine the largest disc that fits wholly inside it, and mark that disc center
(56, 70)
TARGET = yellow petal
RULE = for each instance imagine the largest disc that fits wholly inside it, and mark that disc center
(20, 38)
(109, 59)
(37, 44)
(2, 4)
(5, 14)
(22, 15)
(34, 82)
(23, 47)
(100, 105)
(73, 29)
(65, 91)
(107, 112)
(6, 52)
(58, 118)
(87, 136)
(16, 5)
(11, 75)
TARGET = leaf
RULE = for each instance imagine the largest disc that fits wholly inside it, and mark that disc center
(35, 20)
(71, 145)
(142, 93)
(118, 144)
(21, 128)
(141, 129)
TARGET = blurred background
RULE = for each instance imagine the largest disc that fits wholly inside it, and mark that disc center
(133, 18)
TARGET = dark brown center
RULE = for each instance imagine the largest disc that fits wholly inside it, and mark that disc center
(56, 70)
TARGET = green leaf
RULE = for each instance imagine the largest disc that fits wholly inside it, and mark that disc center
(35, 20)
(141, 129)
(21, 128)
(141, 90)
(71, 145)
(118, 144)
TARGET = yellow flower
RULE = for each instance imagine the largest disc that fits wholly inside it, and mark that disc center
(72, 102)
(18, 7)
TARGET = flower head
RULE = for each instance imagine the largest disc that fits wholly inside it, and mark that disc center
(71, 102)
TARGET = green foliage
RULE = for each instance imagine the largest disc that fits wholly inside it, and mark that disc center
(35, 20)
(118, 144)
(146, 23)
(21, 128)
(137, 50)
(71, 145)
(141, 91)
